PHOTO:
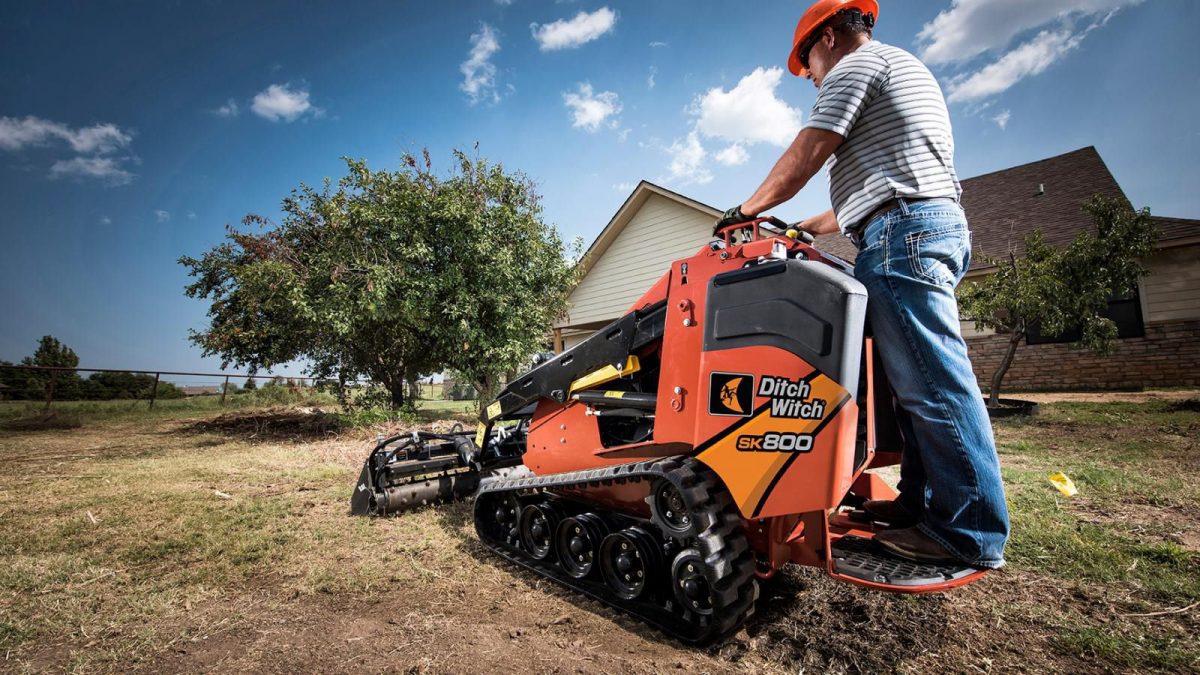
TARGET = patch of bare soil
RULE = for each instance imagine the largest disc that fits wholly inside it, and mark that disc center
(425, 629)
(805, 623)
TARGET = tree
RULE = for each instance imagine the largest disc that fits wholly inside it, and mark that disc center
(1063, 289)
(390, 275)
(39, 384)
(250, 385)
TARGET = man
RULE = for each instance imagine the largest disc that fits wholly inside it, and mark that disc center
(880, 121)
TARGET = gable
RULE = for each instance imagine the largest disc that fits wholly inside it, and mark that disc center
(659, 233)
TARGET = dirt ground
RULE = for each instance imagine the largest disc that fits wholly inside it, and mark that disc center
(175, 546)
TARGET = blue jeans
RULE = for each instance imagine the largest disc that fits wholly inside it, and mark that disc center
(910, 259)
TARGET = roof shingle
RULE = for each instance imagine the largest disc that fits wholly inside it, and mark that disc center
(1003, 206)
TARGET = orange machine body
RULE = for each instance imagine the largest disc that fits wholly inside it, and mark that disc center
(790, 443)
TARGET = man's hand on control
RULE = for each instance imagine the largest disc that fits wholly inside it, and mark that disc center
(822, 223)
(732, 216)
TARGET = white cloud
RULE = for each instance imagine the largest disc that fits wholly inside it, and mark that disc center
(656, 43)
(650, 77)
(105, 220)
(1027, 60)
(688, 164)
(971, 27)
(95, 147)
(622, 187)
(567, 34)
(108, 169)
(479, 73)
(191, 215)
(505, 3)
(104, 138)
(734, 155)
(589, 110)
(1002, 118)
(230, 109)
(162, 216)
(749, 113)
(282, 102)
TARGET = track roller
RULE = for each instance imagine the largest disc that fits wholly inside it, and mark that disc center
(669, 510)
(499, 515)
(577, 542)
(630, 560)
(537, 526)
(689, 578)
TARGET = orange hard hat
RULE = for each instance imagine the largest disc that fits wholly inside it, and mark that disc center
(820, 12)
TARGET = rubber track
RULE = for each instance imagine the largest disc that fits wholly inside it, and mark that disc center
(716, 532)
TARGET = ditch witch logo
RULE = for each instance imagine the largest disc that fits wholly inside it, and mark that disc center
(791, 399)
(731, 394)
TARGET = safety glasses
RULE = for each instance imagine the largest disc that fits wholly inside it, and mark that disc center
(807, 47)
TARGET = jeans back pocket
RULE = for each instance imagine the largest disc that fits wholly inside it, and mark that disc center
(939, 254)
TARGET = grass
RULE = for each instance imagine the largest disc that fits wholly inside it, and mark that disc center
(141, 536)
(30, 415)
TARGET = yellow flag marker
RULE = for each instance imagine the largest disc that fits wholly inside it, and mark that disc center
(1064, 484)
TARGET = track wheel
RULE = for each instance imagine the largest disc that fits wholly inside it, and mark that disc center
(669, 510)
(498, 516)
(537, 527)
(577, 541)
(630, 561)
(689, 578)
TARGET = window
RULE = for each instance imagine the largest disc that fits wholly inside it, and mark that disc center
(1125, 311)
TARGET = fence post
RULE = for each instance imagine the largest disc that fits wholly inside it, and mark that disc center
(50, 389)
(154, 392)
(224, 390)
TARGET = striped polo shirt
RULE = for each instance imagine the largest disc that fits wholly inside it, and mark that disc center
(891, 111)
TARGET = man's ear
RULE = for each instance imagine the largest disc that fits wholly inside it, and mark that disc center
(829, 37)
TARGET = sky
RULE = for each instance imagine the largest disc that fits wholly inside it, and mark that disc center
(132, 133)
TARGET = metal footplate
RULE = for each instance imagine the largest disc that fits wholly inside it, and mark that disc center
(714, 536)
(859, 558)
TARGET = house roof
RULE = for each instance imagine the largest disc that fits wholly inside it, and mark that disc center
(636, 199)
(1003, 206)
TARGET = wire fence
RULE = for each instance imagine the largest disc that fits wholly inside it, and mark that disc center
(52, 377)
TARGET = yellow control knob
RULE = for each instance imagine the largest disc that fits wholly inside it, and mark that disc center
(792, 233)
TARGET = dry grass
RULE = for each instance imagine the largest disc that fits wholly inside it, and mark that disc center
(168, 545)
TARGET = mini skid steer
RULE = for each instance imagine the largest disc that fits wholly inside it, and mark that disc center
(721, 429)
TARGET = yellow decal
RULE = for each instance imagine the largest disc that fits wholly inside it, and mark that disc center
(493, 410)
(606, 374)
(614, 394)
(479, 435)
(749, 457)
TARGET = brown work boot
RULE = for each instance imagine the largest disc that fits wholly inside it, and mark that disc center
(912, 544)
(889, 511)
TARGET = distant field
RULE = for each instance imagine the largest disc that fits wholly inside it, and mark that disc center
(198, 406)
(171, 543)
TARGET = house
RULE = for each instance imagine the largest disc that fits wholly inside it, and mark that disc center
(1159, 326)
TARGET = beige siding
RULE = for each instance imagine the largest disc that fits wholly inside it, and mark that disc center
(661, 232)
(968, 329)
(1171, 290)
(574, 339)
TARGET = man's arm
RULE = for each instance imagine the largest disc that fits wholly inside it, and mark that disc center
(824, 223)
(799, 163)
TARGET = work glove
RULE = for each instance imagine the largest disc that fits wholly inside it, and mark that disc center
(731, 217)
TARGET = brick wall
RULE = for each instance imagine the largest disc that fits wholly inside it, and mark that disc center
(1168, 356)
